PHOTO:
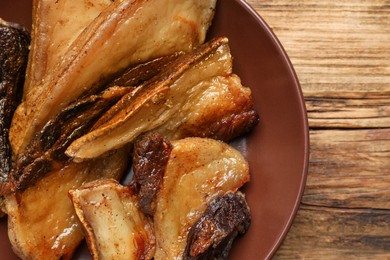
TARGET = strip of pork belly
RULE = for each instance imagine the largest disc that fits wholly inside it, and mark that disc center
(125, 33)
(165, 102)
(46, 152)
(56, 24)
(113, 224)
(42, 223)
(198, 171)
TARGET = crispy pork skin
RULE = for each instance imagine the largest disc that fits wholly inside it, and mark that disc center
(114, 226)
(14, 44)
(56, 24)
(46, 151)
(41, 220)
(137, 74)
(125, 33)
(150, 157)
(220, 108)
(212, 236)
(196, 95)
(198, 171)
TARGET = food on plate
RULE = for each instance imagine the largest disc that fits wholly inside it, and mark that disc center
(125, 33)
(187, 187)
(211, 237)
(55, 26)
(14, 44)
(126, 76)
(42, 223)
(115, 228)
(150, 157)
(197, 95)
(137, 74)
(198, 171)
(46, 151)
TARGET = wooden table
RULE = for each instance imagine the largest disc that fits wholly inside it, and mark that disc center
(341, 53)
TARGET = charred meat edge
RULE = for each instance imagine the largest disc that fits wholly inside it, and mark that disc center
(155, 90)
(46, 150)
(14, 49)
(150, 157)
(211, 237)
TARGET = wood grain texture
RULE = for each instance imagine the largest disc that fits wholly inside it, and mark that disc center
(341, 53)
(332, 233)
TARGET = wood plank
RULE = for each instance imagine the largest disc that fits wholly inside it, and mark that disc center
(339, 49)
(326, 233)
(349, 169)
(348, 113)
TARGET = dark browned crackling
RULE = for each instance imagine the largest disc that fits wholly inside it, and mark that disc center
(211, 237)
(14, 49)
(151, 154)
(46, 150)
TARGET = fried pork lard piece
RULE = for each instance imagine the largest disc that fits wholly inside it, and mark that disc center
(189, 190)
(46, 150)
(14, 43)
(125, 33)
(55, 26)
(197, 95)
(150, 158)
(212, 236)
(198, 171)
(115, 228)
(42, 223)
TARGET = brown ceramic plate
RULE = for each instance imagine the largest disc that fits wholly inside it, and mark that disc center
(277, 149)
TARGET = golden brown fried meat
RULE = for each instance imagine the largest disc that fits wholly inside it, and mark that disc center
(198, 171)
(56, 24)
(114, 226)
(42, 223)
(144, 29)
(196, 95)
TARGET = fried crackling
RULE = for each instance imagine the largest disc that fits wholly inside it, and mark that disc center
(150, 156)
(56, 24)
(198, 171)
(46, 151)
(212, 236)
(143, 30)
(41, 220)
(113, 225)
(14, 44)
(197, 95)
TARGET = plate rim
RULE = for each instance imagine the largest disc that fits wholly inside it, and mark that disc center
(303, 111)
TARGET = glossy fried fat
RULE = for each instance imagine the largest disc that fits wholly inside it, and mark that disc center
(125, 33)
(114, 226)
(198, 171)
(197, 95)
(42, 223)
